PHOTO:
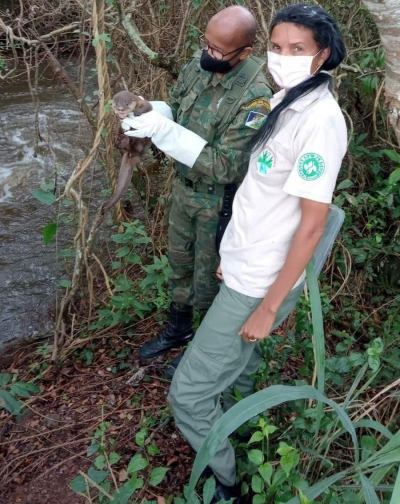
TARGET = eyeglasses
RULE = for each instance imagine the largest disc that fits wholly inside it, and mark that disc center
(216, 53)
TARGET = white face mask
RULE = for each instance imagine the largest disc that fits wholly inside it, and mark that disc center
(289, 71)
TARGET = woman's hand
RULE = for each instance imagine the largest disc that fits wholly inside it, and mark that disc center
(258, 326)
(218, 274)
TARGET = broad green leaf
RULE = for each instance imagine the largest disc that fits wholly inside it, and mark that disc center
(97, 476)
(114, 458)
(127, 489)
(269, 429)
(100, 462)
(44, 197)
(64, 283)
(93, 448)
(266, 471)
(256, 456)
(393, 155)
(23, 389)
(5, 379)
(256, 437)
(78, 485)
(141, 436)
(368, 442)
(345, 184)
(259, 499)
(369, 492)
(47, 187)
(137, 463)
(153, 450)
(133, 259)
(249, 408)
(208, 490)
(257, 484)
(394, 177)
(123, 251)
(157, 475)
(9, 402)
(49, 232)
(289, 461)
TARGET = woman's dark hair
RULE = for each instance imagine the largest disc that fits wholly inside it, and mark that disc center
(327, 35)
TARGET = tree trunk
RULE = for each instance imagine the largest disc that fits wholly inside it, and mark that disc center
(386, 14)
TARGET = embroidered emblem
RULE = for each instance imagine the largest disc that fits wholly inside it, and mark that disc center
(265, 162)
(255, 120)
(258, 102)
(311, 166)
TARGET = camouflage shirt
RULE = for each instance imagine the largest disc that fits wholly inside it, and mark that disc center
(222, 160)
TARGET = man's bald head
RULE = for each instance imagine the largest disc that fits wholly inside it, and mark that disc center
(236, 24)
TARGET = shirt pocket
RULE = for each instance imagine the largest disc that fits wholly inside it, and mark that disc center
(197, 118)
(273, 164)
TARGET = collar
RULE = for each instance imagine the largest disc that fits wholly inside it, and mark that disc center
(302, 103)
(226, 80)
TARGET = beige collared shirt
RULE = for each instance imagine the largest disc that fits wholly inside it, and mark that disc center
(301, 160)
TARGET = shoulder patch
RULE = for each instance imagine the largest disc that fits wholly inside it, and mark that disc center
(311, 166)
(258, 102)
(255, 120)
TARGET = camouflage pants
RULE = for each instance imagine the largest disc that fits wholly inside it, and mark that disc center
(192, 255)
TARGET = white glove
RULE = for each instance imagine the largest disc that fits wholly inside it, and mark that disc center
(162, 108)
(173, 139)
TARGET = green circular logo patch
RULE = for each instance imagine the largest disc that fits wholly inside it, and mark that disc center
(265, 162)
(311, 166)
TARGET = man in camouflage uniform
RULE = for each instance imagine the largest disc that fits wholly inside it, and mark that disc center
(218, 102)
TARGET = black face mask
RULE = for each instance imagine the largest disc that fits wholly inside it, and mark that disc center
(211, 64)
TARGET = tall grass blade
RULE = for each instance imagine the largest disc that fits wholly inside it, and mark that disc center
(252, 406)
(369, 492)
(316, 490)
(396, 491)
(318, 327)
(367, 424)
(318, 340)
(387, 455)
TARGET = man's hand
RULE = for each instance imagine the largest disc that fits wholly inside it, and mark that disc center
(258, 326)
(218, 274)
(173, 139)
(144, 126)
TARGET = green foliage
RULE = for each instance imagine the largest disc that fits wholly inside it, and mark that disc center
(138, 471)
(10, 389)
(135, 298)
(49, 232)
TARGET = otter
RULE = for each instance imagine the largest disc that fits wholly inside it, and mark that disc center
(125, 103)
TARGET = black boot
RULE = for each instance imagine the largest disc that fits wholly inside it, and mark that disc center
(225, 493)
(178, 332)
(171, 368)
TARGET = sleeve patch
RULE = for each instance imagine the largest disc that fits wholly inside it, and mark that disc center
(255, 120)
(258, 102)
(311, 166)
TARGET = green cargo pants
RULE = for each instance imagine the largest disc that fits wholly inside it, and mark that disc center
(193, 221)
(216, 361)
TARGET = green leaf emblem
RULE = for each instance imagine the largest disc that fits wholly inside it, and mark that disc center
(311, 166)
(265, 162)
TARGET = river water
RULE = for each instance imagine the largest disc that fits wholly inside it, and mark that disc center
(29, 269)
